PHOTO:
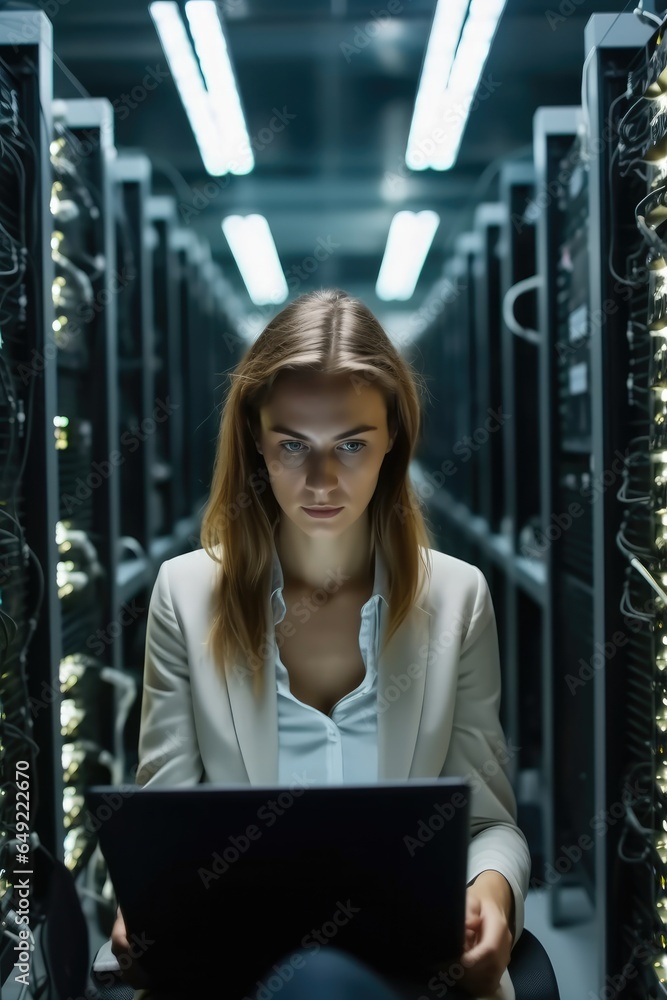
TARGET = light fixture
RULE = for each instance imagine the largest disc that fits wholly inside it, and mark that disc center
(256, 257)
(408, 242)
(185, 71)
(225, 102)
(456, 52)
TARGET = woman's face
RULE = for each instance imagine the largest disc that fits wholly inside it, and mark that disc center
(311, 456)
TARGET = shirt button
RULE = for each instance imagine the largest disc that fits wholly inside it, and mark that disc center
(333, 734)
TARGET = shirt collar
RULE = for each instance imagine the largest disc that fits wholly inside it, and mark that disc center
(380, 580)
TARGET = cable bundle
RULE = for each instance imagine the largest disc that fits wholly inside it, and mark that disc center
(642, 534)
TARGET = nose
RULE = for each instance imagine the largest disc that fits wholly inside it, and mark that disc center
(321, 475)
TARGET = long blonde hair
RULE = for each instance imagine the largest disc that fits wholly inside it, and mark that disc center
(326, 332)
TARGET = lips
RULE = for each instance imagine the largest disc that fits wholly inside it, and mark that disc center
(322, 511)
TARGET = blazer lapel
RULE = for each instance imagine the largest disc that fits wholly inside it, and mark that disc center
(400, 696)
(256, 721)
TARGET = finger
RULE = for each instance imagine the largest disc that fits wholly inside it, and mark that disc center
(474, 955)
(488, 944)
(480, 946)
(119, 940)
(472, 919)
(492, 940)
(471, 935)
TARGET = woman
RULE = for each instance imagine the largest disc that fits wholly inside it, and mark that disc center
(323, 412)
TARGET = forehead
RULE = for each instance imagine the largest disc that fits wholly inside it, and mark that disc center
(334, 397)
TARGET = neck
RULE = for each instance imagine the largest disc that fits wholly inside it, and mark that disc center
(346, 561)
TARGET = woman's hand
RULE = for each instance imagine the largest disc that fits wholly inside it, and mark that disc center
(488, 934)
(130, 972)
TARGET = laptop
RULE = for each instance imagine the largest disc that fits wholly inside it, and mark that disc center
(216, 883)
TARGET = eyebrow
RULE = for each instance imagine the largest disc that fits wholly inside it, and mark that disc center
(355, 430)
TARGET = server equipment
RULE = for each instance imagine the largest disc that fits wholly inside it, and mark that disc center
(167, 476)
(489, 220)
(565, 541)
(139, 502)
(593, 396)
(637, 181)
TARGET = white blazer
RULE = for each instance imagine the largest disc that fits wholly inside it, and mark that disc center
(196, 726)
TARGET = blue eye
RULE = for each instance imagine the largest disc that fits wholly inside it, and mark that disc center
(284, 444)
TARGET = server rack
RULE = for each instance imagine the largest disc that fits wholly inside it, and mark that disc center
(30, 608)
(593, 692)
(84, 292)
(221, 344)
(90, 123)
(221, 348)
(449, 461)
(184, 249)
(132, 184)
(520, 341)
(468, 248)
(453, 360)
(613, 45)
(141, 410)
(434, 438)
(446, 400)
(160, 328)
(564, 307)
(438, 453)
(489, 220)
(205, 368)
(483, 367)
(199, 350)
(635, 187)
(522, 590)
(30, 685)
(462, 325)
(169, 436)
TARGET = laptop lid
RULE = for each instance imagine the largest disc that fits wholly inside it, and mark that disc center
(217, 882)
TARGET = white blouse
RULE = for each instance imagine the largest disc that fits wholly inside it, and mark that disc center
(340, 748)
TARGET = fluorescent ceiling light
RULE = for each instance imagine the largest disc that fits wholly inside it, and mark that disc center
(215, 127)
(211, 48)
(255, 253)
(438, 61)
(185, 71)
(456, 53)
(408, 242)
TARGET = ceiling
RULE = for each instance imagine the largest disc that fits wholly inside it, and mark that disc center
(335, 174)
